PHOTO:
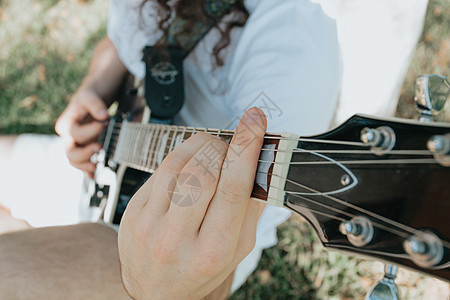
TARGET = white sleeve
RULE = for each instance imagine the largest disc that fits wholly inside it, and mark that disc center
(287, 62)
(131, 29)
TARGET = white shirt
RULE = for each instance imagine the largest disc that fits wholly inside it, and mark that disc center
(285, 60)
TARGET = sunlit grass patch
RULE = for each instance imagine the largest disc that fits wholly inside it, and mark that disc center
(46, 49)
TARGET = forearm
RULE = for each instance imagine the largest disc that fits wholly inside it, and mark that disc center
(68, 262)
(106, 71)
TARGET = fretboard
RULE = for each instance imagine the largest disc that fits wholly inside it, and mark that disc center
(144, 147)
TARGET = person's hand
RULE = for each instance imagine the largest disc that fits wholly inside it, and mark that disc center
(191, 223)
(8, 223)
(80, 125)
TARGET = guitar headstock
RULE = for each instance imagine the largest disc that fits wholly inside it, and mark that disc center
(379, 188)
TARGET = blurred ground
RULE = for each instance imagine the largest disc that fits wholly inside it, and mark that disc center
(45, 50)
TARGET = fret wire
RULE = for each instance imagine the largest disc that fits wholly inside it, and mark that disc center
(155, 152)
(151, 131)
(138, 144)
(130, 140)
(165, 151)
(182, 137)
(145, 146)
(133, 144)
(162, 151)
(155, 132)
(173, 139)
(130, 143)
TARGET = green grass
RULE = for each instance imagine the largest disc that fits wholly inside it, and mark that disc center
(432, 56)
(38, 73)
(45, 51)
(28, 99)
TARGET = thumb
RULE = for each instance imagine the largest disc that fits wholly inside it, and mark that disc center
(95, 106)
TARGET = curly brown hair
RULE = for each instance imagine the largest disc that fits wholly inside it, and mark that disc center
(192, 11)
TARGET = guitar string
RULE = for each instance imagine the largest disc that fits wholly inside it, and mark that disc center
(315, 202)
(380, 226)
(152, 153)
(361, 161)
(300, 139)
(393, 231)
(397, 152)
(344, 203)
(297, 150)
(400, 152)
(331, 198)
(310, 209)
(213, 131)
(156, 151)
(320, 193)
(357, 208)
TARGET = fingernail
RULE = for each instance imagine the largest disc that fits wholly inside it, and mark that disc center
(102, 113)
(254, 115)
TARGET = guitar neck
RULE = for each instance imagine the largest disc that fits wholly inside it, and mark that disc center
(394, 189)
(144, 147)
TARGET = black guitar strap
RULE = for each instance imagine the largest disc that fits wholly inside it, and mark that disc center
(164, 83)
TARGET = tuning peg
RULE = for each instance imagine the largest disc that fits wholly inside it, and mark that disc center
(432, 92)
(359, 231)
(439, 144)
(385, 289)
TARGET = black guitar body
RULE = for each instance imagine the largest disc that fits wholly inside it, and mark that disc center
(408, 196)
(131, 181)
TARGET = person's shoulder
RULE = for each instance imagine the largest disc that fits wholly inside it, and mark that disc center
(300, 20)
(301, 8)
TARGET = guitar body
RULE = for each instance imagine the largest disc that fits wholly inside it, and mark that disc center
(117, 183)
(129, 180)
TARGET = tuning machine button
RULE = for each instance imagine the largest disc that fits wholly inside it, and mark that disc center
(424, 248)
(432, 91)
(385, 289)
(381, 139)
(439, 145)
(359, 231)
